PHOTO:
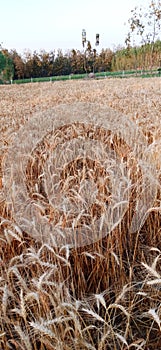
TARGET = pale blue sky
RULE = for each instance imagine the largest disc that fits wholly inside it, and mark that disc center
(53, 24)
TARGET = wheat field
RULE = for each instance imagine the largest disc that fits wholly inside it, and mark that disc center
(80, 215)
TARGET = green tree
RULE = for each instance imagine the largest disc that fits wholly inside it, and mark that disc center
(62, 64)
(104, 60)
(51, 63)
(6, 66)
(19, 66)
(2, 62)
(2, 66)
(74, 62)
(45, 63)
(36, 65)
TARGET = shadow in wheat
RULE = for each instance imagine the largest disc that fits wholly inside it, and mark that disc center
(74, 172)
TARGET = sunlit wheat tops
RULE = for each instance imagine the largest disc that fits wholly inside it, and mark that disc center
(80, 215)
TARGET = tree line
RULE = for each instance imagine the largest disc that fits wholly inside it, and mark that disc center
(47, 64)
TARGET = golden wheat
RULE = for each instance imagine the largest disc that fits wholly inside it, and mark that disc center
(69, 152)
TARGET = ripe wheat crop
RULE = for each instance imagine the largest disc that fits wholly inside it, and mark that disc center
(80, 215)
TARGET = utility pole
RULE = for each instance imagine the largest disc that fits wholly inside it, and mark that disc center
(95, 51)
